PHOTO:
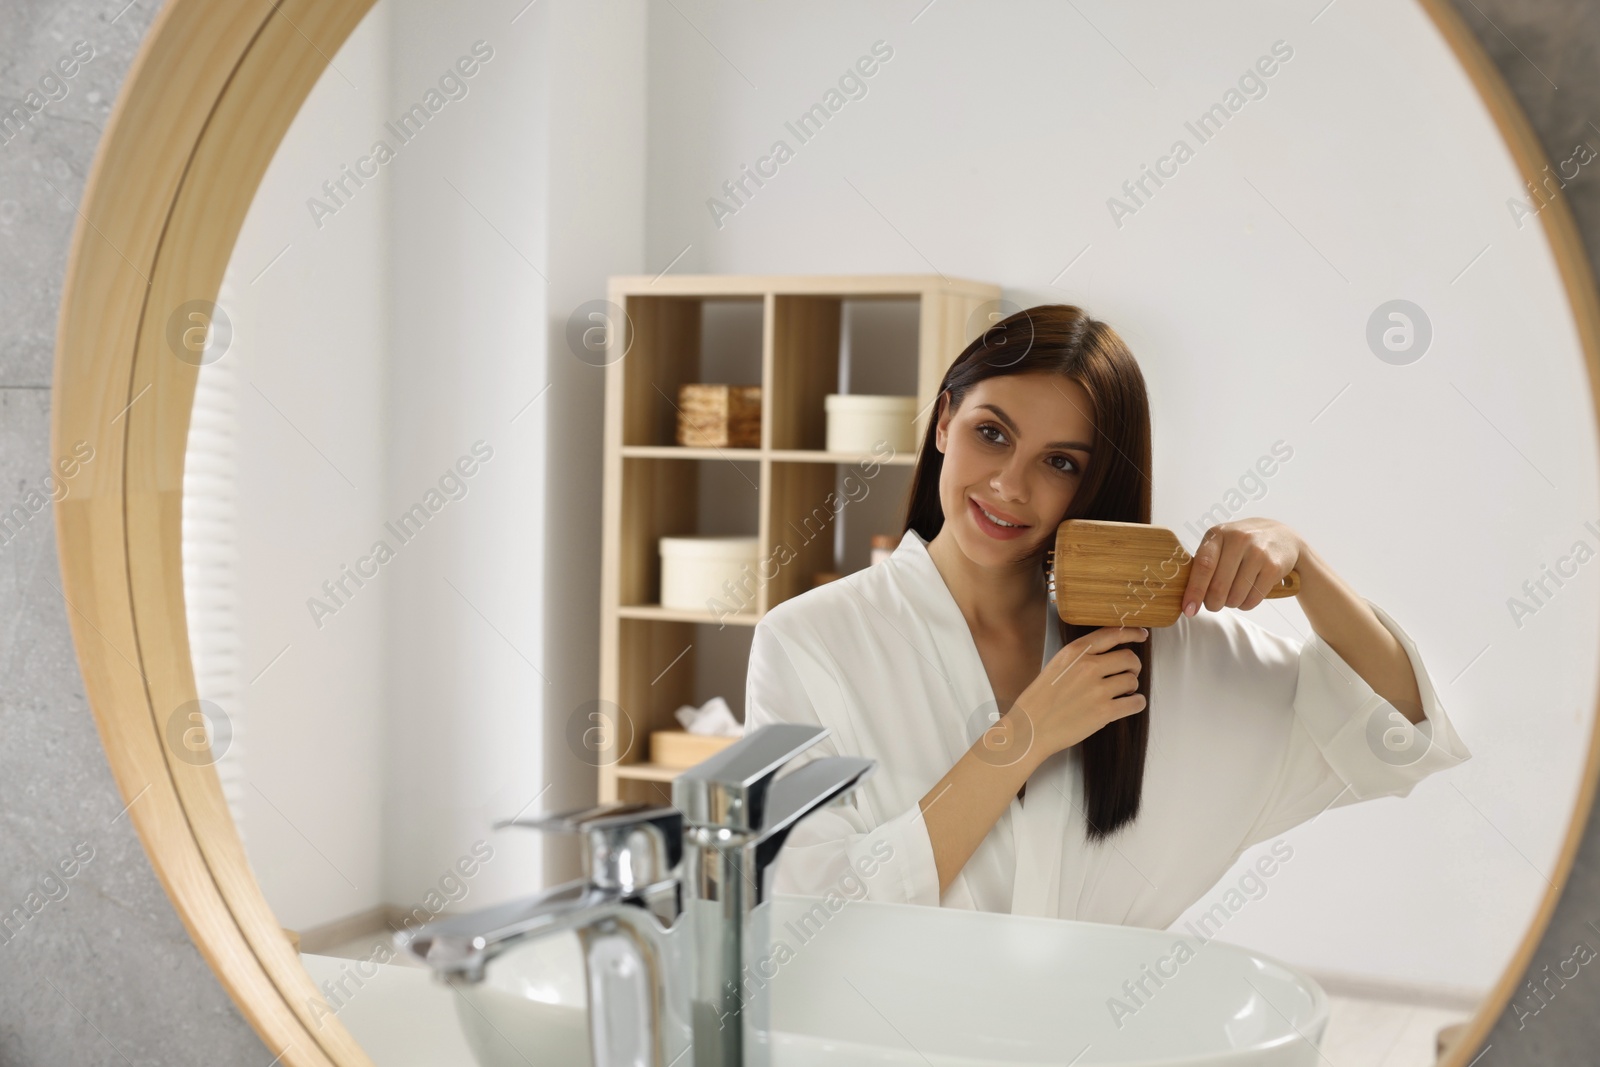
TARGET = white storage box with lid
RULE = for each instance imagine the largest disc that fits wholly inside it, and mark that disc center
(693, 570)
(858, 423)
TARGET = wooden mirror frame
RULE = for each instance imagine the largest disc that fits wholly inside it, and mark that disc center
(205, 105)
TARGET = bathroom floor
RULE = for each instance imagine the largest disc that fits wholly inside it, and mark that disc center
(1379, 1033)
(1361, 1032)
(367, 946)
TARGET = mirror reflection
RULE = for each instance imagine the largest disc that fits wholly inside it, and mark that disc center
(592, 387)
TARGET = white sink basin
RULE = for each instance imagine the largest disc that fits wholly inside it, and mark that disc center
(888, 984)
(897, 983)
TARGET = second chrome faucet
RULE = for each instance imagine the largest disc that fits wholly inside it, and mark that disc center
(665, 906)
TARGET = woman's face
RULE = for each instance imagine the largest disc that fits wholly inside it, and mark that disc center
(1014, 453)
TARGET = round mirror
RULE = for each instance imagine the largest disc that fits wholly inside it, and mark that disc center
(447, 428)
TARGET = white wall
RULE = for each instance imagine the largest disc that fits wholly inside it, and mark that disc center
(596, 207)
(423, 316)
(308, 307)
(502, 224)
(987, 147)
(468, 307)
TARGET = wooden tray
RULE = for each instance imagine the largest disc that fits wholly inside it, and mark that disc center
(679, 748)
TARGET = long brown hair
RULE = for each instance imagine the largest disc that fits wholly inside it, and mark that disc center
(1063, 339)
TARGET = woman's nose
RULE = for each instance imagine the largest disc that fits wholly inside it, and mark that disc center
(1009, 484)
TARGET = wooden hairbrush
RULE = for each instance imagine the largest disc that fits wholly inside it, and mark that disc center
(1124, 574)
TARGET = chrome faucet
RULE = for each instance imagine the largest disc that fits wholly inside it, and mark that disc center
(665, 908)
(623, 910)
(736, 815)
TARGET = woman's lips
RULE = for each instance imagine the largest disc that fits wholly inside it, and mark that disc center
(999, 533)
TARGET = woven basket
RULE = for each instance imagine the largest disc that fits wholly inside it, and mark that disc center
(719, 416)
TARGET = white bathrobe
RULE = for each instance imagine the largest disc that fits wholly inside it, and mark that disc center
(1251, 733)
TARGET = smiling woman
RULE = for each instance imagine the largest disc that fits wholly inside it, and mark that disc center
(1086, 454)
(1238, 735)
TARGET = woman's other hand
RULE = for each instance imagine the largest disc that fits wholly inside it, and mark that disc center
(1088, 683)
(1238, 563)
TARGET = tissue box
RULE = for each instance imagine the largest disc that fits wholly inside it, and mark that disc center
(681, 749)
(719, 416)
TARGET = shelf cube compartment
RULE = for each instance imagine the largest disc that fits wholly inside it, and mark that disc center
(661, 667)
(673, 497)
(683, 340)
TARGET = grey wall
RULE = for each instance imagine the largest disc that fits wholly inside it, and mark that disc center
(1549, 53)
(105, 974)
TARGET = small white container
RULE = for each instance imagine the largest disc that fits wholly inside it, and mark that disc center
(693, 570)
(857, 423)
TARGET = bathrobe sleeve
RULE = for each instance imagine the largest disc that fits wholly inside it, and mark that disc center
(1345, 743)
(837, 847)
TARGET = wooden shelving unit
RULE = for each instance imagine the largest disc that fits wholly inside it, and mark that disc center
(704, 328)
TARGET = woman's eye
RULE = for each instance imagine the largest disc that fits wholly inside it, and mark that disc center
(1070, 468)
(986, 429)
